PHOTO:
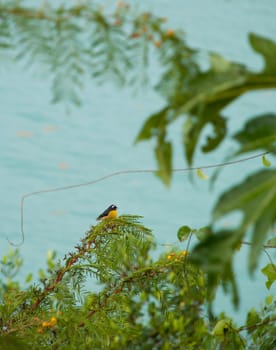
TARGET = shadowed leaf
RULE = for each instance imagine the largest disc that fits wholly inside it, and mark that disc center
(258, 133)
(256, 198)
(214, 255)
(163, 154)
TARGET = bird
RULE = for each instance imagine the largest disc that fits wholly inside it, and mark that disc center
(109, 213)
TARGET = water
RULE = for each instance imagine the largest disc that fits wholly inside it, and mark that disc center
(43, 146)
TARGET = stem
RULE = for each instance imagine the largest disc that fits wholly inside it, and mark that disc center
(256, 325)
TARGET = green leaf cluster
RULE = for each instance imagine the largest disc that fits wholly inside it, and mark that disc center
(142, 303)
(139, 303)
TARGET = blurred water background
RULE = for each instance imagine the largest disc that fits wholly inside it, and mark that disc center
(44, 146)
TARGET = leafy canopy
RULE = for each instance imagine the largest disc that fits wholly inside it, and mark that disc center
(139, 303)
(72, 43)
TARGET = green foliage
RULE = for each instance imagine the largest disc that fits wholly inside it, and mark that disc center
(266, 48)
(260, 326)
(214, 255)
(73, 42)
(163, 153)
(10, 266)
(183, 233)
(270, 272)
(139, 303)
(204, 96)
(256, 198)
(201, 101)
(258, 133)
(12, 343)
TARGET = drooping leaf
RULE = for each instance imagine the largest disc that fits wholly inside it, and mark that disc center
(270, 272)
(192, 128)
(258, 133)
(267, 48)
(203, 115)
(256, 198)
(183, 233)
(214, 255)
(163, 154)
(153, 125)
(213, 252)
(201, 101)
(219, 131)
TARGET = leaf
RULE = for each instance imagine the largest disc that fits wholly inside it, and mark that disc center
(219, 131)
(153, 125)
(221, 328)
(266, 162)
(202, 233)
(215, 251)
(193, 127)
(252, 318)
(214, 255)
(201, 174)
(219, 63)
(270, 272)
(269, 299)
(42, 274)
(29, 278)
(202, 99)
(256, 198)
(163, 154)
(258, 133)
(183, 233)
(266, 48)
(191, 131)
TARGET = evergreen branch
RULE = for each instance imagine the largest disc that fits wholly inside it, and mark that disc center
(136, 276)
(104, 45)
(81, 251)
(26, 13)
(40, 14)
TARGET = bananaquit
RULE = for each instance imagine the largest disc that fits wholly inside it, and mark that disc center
(109, 213)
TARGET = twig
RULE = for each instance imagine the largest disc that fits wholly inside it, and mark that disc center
(256, 325)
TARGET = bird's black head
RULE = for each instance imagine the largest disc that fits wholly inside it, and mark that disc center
(112, 207)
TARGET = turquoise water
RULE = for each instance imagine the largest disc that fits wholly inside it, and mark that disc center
(44, 146)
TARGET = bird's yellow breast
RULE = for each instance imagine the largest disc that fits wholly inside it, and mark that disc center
(112, 214)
